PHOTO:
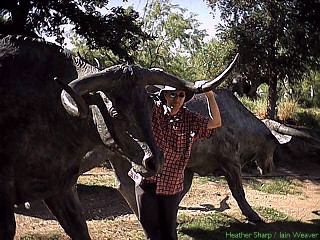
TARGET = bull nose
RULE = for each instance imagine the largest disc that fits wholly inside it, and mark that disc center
(153, 165)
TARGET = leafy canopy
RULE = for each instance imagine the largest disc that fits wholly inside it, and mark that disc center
(277, 39)
(116, 29)
(176, 45)
(283, 33)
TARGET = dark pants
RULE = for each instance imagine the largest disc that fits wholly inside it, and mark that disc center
(157, 213)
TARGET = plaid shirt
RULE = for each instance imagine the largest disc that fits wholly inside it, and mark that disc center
(175, 136)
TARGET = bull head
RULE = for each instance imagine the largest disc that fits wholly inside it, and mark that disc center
(124, 88)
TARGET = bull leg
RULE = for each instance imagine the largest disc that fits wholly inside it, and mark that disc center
(124, 184)
(233, 176)
(67, 209)
(7, 220)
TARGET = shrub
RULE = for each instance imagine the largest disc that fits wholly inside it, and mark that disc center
(308, 118)
(287, 110)
(257, 107)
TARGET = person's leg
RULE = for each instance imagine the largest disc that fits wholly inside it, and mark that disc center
(148, 211)
(168, 216)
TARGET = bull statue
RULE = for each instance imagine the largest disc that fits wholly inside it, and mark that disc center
(242, 139)
(44, 139)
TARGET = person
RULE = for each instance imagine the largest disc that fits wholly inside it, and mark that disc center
(175, 128)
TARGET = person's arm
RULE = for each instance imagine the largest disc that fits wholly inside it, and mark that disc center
(214, 112)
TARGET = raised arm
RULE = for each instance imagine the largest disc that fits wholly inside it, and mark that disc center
(214, 112)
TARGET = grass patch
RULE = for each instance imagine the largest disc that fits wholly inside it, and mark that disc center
(97, 180)
(204, 180)
(203, 226)
(219, 226)
(92, 183)
(276, 186)
(52, 236)
(272, 214)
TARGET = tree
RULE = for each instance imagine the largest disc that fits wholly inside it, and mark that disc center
(176, 37)
(277, 39)
(176, 44)
(211, 59)
(118, 30)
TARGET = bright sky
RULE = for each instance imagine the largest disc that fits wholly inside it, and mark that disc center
(199, 7)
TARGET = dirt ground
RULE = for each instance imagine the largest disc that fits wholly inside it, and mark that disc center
(108, 214)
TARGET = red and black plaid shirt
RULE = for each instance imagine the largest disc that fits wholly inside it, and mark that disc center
(175, 136)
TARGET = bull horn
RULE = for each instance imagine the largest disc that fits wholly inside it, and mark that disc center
(106, 78)
(156, 76)
(283, 129)
(82, 107)
(109, 78)
(218, 80)
(90, 83)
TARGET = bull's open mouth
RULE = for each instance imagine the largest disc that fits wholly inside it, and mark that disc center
(144, 164)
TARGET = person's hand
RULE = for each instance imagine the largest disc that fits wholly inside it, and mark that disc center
(199, 83)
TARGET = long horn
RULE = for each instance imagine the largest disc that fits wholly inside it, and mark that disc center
(90, 83)
(81, 105)
(218, 80)
(106, 78)
(157, 76)
(283, 129)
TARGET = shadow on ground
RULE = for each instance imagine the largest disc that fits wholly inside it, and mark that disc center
(98, 202)
(209, 207)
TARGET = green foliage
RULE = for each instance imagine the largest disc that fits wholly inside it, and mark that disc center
(287, 110)
(290, 109)
(176, 44)
(51, 236)
(96, 180)
(175, 38)
(272, 214)
(281, 33)
(277, 39)
(203, 180)
(256, 106)
(308, 117)
(116, 29)
(309, 90)
(202, 226)
(212, 58)
(276, 186)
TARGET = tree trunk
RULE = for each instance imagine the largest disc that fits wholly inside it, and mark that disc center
(272, 97)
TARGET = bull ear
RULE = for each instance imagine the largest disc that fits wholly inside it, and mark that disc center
(157, 76)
